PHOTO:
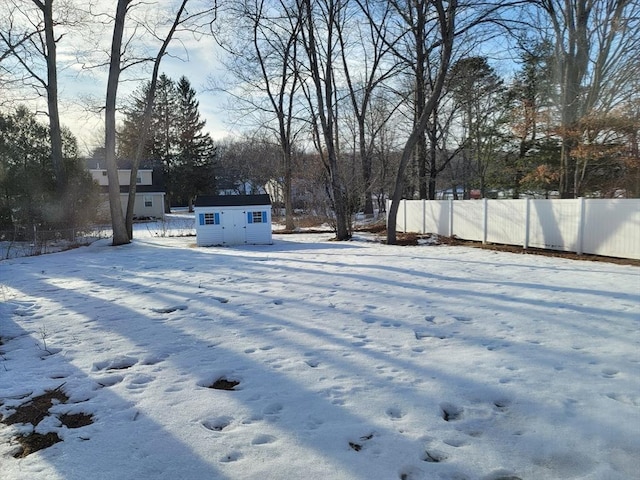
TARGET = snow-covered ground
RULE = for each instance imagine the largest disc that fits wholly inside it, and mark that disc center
(354, 360)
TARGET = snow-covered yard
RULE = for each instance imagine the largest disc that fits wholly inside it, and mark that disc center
(330, 360)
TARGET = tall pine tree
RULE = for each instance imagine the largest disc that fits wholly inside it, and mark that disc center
(195, 152)
(177, 140)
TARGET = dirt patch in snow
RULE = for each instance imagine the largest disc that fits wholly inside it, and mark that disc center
(36, 409)
(224, 384)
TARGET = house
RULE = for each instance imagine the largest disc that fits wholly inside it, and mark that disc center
(233, 220)
(149, 191)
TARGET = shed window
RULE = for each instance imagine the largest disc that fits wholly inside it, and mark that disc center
(210, 219)
(257, 217)
(148, 201)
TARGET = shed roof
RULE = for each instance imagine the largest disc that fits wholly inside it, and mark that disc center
(232, 200)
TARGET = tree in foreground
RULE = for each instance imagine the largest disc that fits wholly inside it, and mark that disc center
(441, 18)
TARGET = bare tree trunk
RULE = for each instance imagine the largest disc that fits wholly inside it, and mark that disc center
(446, 27)
(120, 235)
(288, 202)
(323, 79)
(433, 157)
(146, 122)
(52, 97)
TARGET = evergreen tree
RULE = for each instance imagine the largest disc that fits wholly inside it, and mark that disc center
(536, 164)
(29, 197)
(177, 139)
(130, 130)
(163, 133)
(195, 153)
(479, 92)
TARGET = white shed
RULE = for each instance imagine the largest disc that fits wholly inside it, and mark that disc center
(233, 220)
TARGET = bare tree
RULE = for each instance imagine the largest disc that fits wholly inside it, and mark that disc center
(29, 37)
(120, 234)
(264, 65)
(596, 50)
(123, 224)
(150, 95)
(321, 20)
(438, 20)
(367, 68)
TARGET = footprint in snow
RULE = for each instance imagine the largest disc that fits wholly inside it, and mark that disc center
(217, 424)
(411, 473)
(609, 372)
(455, 442)
(231, 457)
(434, 456)
(272, 409)
(109, 381)
(450, 412)
(395, 413)
(169, 309)
(118, 363)
(263, 439)
(501, 475)
(624, 398)
(139, 381)
(359, 444)
(423, 334)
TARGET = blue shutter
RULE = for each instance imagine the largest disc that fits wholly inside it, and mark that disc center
(202, 219)
(264, 217)
(249, 217)
(216, 218)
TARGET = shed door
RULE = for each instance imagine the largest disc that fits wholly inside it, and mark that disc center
(234, 230)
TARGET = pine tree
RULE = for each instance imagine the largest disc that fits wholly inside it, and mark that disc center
(177, 139)
(130, 131)
(195, 153)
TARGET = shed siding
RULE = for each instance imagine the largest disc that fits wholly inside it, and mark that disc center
(233, 225)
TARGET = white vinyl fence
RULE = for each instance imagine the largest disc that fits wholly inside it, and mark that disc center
(595, 226)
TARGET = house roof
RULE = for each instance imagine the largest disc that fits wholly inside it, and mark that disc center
(232, 200)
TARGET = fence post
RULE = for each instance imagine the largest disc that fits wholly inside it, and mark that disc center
(424, 215)
(527, 217)
(581, 216)
(485, 219)
(404, 214)
(451, 217)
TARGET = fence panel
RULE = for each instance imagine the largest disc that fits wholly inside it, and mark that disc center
(506, 221)
(468, 219)
(554, 224)
(436, 217)
(595, 226)
(414, 217)
(611, 227)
